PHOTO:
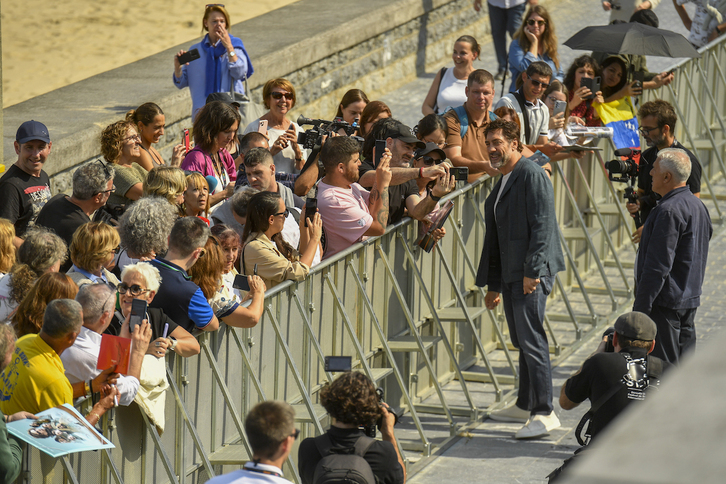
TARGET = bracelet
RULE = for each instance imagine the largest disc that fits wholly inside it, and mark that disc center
(420, 172)
(434, 197)
(548, 171)
(98, 417)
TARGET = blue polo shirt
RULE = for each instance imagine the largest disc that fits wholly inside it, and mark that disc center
(181, 299)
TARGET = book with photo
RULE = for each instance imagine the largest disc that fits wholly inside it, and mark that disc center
(426, 241)
(59, 431)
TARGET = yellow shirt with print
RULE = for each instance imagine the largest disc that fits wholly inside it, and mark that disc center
(35, 378)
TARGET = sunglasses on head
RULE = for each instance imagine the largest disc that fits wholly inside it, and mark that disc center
(279, 95)
(532, 22)
(210, 5)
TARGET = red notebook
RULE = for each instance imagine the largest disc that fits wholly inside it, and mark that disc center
(115, 351)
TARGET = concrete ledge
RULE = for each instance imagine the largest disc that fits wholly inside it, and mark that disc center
(323, 46)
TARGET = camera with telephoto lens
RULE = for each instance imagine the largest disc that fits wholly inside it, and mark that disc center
(609, 347)
(320, 127)
(370, 430)
(627, 170)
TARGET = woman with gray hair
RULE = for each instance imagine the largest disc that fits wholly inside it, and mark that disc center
(144, 230)
(42, 252)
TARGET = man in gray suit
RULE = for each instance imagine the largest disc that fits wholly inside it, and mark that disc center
(520, 258)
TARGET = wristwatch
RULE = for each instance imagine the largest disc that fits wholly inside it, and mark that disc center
(173, 344)
(232, 53)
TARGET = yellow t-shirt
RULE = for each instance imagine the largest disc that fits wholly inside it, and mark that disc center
(35, 378)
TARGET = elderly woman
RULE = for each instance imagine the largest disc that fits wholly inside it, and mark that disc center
(223, 62)
(52, 285)
(93, 250)
(142, 281)
(207, 274)
(42, 252)
(277, 262)
(279, 97)
(448, 89)
(144, 230)
(168, 182)
(150, 122)
(196, 196)
(120, 145)
(214, 127)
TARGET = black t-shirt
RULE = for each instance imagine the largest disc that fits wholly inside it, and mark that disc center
(157, 320)
(600, 373)
(63, 217)
(397, 194)
(381, 456)
(22, 196)
(645, 181)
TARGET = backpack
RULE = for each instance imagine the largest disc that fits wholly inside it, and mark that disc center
(464, 119)
(340, 466)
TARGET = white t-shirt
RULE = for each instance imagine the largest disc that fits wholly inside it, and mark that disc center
(702, 23)
(246, 475)
(452, 92)
(285, 159)
(345, 216)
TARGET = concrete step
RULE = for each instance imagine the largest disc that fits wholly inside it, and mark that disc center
(408, 344)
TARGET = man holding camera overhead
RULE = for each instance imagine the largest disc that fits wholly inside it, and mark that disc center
(352, 402)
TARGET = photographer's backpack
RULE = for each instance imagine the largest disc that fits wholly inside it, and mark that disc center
(341, 466)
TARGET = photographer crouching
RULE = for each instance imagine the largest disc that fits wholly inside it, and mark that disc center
(352, 402)
(617, 374)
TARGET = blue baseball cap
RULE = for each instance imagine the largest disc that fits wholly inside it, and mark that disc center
(32, 130)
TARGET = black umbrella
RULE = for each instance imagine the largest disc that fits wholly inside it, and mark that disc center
(632, 38)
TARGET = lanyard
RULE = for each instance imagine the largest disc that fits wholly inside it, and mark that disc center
(263, 471)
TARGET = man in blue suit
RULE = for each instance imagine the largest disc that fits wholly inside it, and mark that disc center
(520, 259)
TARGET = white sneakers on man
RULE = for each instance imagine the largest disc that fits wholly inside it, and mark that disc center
(510, 414)
(538, 426)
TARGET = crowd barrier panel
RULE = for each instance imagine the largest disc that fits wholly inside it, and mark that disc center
(413, 322)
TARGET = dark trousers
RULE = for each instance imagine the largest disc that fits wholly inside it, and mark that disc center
(503, 20)
(676, 332)
(525, 315)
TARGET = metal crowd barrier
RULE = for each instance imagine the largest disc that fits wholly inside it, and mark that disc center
(413, 322)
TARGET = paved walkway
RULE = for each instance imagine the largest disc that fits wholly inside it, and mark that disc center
(489, 453)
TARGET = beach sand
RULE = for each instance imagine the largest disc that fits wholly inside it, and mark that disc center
(50, 44)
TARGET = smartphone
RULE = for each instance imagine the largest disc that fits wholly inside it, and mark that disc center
(460, 173)
(185, 140)
(138, 313)
(311, 206)
(262, 128)
(560, 107)
(241, 283)
(592, 84)
(639, 78)
(187, 57)
(338, 363)
(254, 271)
(380, 149)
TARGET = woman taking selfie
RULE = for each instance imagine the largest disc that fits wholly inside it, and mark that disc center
(222, 62)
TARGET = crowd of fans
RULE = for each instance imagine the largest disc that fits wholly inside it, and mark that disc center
(176, 234)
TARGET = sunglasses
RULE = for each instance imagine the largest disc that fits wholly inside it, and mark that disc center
(284, 214)
(280, 95)
(116, 249)
(210, 5)
(532, 22)
(537, 83)
(295, 434)
(430, 161)
(106, 171)
(134, 290)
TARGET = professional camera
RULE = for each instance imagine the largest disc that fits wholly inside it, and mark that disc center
(609, 346)
(627, 170)
(370, 430)
(314, 137)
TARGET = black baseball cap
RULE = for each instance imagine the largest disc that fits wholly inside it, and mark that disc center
(225, 97)
(429, 148)
(636, 325)
(32, 130)
(404, 133)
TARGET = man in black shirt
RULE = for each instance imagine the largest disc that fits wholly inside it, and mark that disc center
(657, 125)
(620, 377)
(25, 187)
(403, 191)
(351, 401)
(92, 185)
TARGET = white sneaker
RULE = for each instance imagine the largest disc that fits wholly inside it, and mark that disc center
(538, 426)
(510, 414)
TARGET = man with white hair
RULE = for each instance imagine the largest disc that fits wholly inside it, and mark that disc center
(672, 258)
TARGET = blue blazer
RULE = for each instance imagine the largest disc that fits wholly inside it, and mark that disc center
(523, 239)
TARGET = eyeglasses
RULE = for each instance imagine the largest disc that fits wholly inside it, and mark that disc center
(279, 95)
(532, 21)
(645, 131)
(134, 290)
(537, 83)
(134, 137)
(113, 188)
(295, 434)
(284, 214)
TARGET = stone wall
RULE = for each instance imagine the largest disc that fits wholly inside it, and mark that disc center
(324, 47)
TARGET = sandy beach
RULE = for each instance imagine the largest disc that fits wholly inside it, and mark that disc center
(47, 45)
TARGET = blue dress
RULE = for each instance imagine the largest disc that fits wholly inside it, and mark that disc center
(519, 61)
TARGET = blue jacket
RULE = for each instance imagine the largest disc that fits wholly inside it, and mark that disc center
(673, 252)
(523, 239)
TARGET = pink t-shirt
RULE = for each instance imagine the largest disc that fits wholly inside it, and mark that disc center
(345, 216)
(200, 161)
